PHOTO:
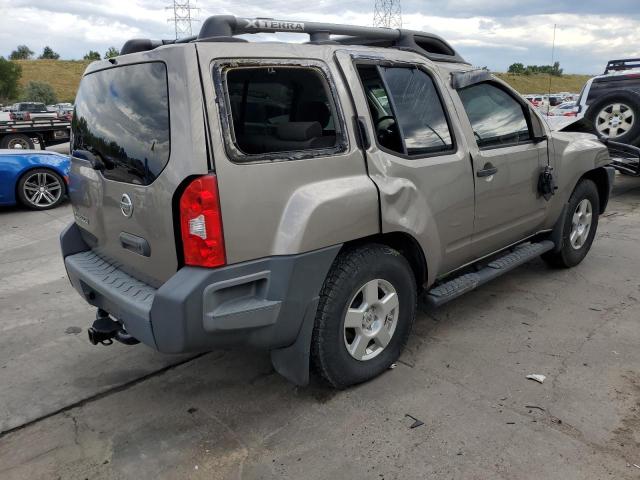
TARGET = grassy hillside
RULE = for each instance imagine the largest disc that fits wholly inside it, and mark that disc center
(540, 83)
(64, 76)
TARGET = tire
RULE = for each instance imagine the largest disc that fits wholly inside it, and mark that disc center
(344, 292)
(574, 249)
(607, 115)
(30, 187)
(17, 141)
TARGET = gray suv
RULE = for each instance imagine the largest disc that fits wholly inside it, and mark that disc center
(302, 198)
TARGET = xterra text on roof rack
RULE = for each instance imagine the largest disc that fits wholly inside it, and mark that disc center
(301, 197)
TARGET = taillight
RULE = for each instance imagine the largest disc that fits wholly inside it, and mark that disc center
(201, 223)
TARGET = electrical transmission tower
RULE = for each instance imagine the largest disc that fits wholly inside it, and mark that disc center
(387, 13)
(182, 14)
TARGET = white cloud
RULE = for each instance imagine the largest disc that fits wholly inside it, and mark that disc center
(584, 40)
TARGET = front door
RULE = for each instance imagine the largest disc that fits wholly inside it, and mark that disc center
(507, 161)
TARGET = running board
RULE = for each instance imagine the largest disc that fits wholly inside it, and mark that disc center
(447, 291)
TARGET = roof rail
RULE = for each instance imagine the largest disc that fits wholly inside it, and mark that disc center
(225, 28)
(622, 64)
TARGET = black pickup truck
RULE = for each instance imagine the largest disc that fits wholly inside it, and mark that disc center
(609, 106)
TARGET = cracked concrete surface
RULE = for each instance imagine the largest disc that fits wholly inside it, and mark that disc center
(127, 412)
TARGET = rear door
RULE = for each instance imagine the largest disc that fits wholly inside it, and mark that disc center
(417, 155)
(290, 174)
(507, 161)
(137, 134)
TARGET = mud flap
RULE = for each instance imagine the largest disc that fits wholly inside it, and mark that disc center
(292, 362)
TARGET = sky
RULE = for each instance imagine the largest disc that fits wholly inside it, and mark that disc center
(492, 33)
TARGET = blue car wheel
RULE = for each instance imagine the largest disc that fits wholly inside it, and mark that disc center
(41, 189)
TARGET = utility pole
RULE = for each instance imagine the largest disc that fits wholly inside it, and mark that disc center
(387, 13)
(182, 14)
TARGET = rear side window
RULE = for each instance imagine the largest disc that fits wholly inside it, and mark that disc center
(497, 119)
(280, 112)
(121, 121)
(406, 110)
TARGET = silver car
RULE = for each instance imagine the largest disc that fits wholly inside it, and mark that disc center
(301, 198)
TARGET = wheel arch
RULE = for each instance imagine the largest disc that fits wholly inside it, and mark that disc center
(600, 177)
(404, 243)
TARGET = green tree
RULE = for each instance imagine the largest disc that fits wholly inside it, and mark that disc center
(92, 55)
(10, 73)
(112, 52)
(517, 68)
(22, 52)
(48, 54)
(39, 92)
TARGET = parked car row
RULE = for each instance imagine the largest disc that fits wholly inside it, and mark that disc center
(38, 111)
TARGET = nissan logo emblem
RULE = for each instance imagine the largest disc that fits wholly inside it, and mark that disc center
(126, 205)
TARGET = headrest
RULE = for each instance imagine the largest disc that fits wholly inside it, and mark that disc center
(314, 112)
(299, 131)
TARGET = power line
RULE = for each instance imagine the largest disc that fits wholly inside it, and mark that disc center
(182, 14)
(387, 13)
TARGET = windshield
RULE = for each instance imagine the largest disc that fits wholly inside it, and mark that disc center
(121, 122)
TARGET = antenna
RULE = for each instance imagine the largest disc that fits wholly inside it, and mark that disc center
(181, 17)
(387, 13)
(553, 61)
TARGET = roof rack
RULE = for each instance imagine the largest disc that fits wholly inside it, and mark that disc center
(225, 28)
(622, 64)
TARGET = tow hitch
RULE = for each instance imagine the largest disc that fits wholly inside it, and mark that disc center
(105, 330)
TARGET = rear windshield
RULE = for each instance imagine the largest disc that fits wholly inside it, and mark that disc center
(32, 107)
(121, 122)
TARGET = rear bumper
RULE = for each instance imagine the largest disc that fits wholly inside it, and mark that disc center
(261, 303)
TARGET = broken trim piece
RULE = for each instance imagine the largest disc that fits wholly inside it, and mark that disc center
(461, 80)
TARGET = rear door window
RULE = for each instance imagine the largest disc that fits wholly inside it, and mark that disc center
(281, 112)
(406, 110)
(121, 122)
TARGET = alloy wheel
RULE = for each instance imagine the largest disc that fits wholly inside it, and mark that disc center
(371, 319)
(42, 189)
(615, 120)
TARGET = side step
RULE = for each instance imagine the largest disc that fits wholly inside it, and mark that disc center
(447, 291)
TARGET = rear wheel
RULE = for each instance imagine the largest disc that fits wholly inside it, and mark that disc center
(41, 189)
(616, 117)
(580, 225)
(366, 311)
(17, 141)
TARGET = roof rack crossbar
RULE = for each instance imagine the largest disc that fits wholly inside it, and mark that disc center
(224, 28)
(622, 64)
(229, 26)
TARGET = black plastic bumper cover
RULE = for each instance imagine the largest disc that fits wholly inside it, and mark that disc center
(261, 303)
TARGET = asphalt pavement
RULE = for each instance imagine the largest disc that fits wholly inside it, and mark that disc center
(72, 410)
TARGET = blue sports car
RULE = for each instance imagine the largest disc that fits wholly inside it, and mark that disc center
(35, 178)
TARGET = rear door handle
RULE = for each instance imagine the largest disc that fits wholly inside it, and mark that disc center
(487, 170)
(135, 244)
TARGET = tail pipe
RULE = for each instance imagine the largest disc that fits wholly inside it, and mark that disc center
(104, 330)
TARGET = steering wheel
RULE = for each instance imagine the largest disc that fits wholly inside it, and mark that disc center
(387, 131)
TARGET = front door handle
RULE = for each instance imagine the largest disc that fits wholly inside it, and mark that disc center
(487, 170)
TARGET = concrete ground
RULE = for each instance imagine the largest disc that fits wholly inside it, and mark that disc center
(71, 410)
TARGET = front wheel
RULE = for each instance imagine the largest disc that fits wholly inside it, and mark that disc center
(580, 225)
(365, 314)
